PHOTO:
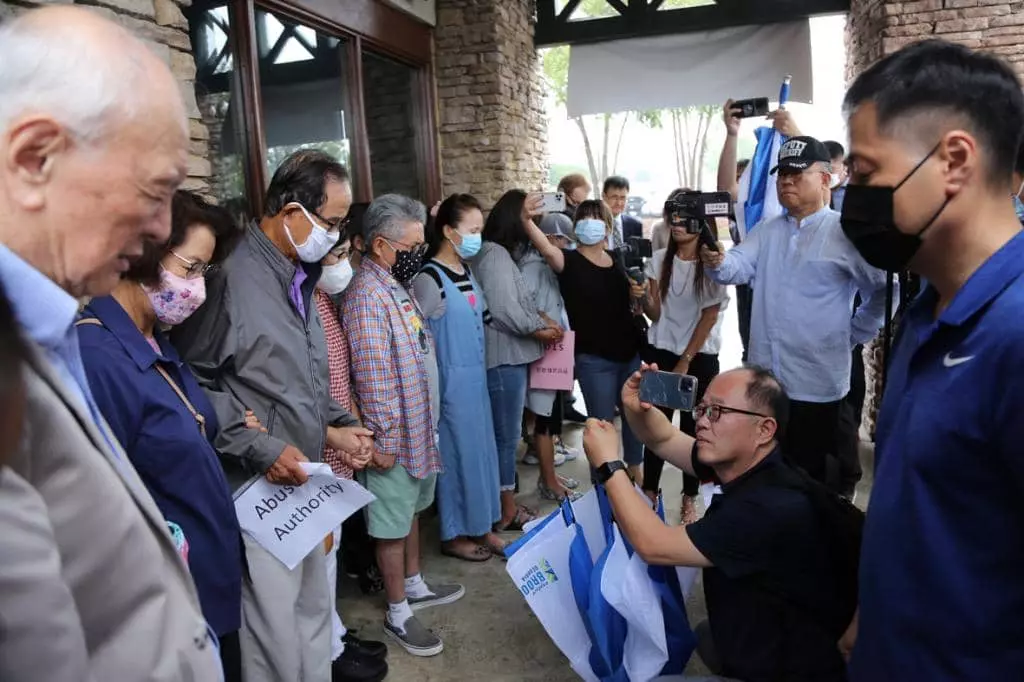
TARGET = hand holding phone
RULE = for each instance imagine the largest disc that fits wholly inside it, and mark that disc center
(750, 108)
(665, 389)
(552, 202)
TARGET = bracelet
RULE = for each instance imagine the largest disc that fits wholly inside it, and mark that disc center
(688, 357)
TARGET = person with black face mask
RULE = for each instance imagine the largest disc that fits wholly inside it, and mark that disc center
(397, 388)
(934, 129)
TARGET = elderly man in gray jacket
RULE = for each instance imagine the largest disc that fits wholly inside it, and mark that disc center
(258, 343)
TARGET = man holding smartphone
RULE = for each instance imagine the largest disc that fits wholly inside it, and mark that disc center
(769, 582)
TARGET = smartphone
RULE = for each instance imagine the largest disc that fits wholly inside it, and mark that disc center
(553, 202)
(749, 108)
(667, 389)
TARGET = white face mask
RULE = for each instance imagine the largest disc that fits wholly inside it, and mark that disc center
(835, 181)
(335, 278)
(317, 245)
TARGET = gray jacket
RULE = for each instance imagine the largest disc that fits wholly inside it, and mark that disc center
(250, 349)
(514, 314)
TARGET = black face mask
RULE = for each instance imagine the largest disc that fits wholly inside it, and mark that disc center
(407, 264)
(868, 223)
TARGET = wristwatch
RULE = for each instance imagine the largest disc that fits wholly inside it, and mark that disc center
(608, 469)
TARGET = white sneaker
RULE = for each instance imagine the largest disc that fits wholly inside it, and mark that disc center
(531, 458)
(570, 454)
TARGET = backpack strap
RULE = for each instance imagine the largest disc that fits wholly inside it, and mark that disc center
(200, 419)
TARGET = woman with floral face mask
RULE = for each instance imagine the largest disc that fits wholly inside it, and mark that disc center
(158, 413)
(453, 303)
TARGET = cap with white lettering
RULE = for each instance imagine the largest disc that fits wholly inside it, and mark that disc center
(799, 153)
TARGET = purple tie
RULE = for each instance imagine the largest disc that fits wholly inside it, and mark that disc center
(295, 293)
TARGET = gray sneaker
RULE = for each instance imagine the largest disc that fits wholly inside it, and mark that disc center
(414, 637)
(440, 594)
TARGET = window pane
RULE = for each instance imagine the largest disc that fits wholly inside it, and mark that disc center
(303, 85)
(391, 105)
(217, 93)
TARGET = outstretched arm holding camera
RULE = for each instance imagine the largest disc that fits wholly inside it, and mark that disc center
(727, 180)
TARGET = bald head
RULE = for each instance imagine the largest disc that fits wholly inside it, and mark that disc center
(83, 70)
(93, 144)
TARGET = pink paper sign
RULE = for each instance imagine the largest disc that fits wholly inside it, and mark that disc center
(554, 371)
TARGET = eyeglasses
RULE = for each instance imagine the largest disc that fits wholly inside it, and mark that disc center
(194, 268)
(332, 223)
(714, 412)
(416, 249)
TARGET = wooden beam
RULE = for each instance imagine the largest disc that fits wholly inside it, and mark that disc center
(655, 22)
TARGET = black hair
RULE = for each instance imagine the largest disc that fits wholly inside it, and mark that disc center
(13, 351)
(615, 182)
(449, 213)
(504, 225)
(937, 78)
(765, 392)
(302, 178)
(353, 224)
(741, 166)
(593, 208)
(1019, 165)
(667, 265)
(835, 150)
(188, 209)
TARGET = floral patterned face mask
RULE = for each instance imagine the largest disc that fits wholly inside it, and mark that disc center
(177, 298)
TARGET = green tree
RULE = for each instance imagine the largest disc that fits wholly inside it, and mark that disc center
(603, 158)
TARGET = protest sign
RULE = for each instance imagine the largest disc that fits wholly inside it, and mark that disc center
(554, 370)
(289, 521)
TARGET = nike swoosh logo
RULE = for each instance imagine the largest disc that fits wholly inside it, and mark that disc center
(950, 361)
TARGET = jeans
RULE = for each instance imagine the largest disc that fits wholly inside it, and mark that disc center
(601, 382)
(507, 387)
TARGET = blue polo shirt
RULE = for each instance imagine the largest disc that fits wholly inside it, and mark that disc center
(179, 467)
(942, 564)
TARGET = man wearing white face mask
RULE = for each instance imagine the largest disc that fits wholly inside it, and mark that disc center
(837, 184)
(259, 344)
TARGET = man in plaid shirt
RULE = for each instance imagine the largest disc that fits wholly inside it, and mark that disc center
(395, 380)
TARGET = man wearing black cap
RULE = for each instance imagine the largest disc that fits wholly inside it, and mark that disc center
(807, 276)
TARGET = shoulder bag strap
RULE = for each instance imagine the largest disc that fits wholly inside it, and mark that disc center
(200, 419)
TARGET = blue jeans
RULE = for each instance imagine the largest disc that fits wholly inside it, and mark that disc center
(507, 386)
(601, 382)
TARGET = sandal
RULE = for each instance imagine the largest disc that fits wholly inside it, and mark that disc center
(478, 554)
(547, 493)
(688, 510)
(568, 482)
(523, 516)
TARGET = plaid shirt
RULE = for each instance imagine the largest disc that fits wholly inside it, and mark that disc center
(388, 375)
(338, 362)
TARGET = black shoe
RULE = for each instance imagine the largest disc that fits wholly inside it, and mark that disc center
(574, 415)
(351, 667)
(367, 648)
(371, 581)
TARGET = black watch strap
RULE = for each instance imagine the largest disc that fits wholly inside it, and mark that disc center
(608, 469)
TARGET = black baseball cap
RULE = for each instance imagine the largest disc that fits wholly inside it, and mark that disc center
(799, 153)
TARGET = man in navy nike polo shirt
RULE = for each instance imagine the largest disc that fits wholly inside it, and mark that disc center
(934, 131)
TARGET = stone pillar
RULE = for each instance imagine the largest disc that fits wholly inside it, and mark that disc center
(493, 129)
(161, 24)
(876, 28)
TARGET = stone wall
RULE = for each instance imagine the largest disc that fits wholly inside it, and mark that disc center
(161, 24)
(879, 27)
(876, 28)
(493, 129)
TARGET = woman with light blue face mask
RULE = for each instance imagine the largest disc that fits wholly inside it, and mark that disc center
(452, 302)
(603, 306)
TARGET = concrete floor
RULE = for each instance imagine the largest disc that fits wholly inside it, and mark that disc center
(491, 634)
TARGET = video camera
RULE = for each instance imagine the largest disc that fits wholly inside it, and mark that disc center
(693, 210)
(632, 253)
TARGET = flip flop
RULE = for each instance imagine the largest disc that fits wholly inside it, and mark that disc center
(477, 555)
(522, 517)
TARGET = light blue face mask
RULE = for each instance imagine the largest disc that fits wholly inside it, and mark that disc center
(1018, 206)
(591, 231)
(470, 245)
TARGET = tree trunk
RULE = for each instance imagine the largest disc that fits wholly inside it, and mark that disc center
(586, 145)
(680, 147)
(604, 152)
(618, 144)
(708, 114)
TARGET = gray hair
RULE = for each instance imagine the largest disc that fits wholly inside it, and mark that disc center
(84, 84)
(387, 217)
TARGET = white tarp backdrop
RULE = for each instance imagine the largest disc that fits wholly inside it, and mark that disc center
(690, 69)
